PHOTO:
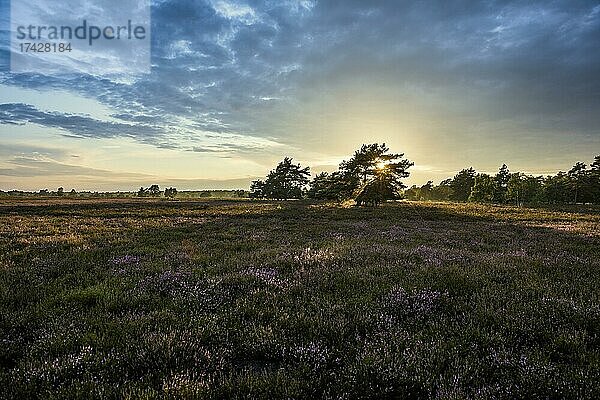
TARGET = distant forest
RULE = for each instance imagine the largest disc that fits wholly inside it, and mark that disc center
(578, 185)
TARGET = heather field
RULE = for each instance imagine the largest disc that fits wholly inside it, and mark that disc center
(239, 299)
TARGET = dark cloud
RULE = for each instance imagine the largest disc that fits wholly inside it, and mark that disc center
(75, 125)
(519, 57)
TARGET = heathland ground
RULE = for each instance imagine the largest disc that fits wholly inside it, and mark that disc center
(228, 299)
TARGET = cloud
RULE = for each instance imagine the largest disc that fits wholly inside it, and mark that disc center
(34, 167)
(8, 150)
(234, 11)
(75, 125)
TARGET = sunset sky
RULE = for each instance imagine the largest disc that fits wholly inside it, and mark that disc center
(236, 86)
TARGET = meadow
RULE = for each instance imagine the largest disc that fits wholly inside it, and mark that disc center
(152, 299)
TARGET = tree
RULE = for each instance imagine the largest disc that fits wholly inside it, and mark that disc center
(524, 189)
(501, 179)
(580, 185)
(443, 191)
(425, 192)
(386, 182)
(533, 192)
(141, 192)
(371, 170)
(257, 189)
(375, 192)
(577, 175)
(363, 162)
(462, 184)
(286, 181)
(322, 187)
(412, 193)
(514, 191)
(594, 179)
(154, 191)
(484, 189)
(335, 186)
(170, 192)
(557, 188)
(60, 191)
(373, 173)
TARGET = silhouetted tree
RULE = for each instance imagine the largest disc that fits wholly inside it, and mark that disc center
(322, 187)
(523, 189)
(376, 191)
(286, 181)
(577, 175)
(257, 189)
(386, 182)
(557, 188)
(501, 179)
(154, 191)
(425, 192)
(443, 191)
(462, 184)
(335, 186)
(170, 192)
(484, 189)
(594, 180)
(372, 173)
(361, 167)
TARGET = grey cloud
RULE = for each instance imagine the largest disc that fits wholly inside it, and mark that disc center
(76, 125)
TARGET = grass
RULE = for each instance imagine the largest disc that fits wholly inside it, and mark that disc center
(235, 299)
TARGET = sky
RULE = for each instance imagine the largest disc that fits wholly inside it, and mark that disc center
(235, 86)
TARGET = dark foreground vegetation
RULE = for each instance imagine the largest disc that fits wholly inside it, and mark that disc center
(174, 299)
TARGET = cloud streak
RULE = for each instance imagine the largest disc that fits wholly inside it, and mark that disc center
(75, 125)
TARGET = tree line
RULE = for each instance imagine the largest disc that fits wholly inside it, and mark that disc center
(374, 175)
(581, 184)
(154, 191)
(171, 193)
